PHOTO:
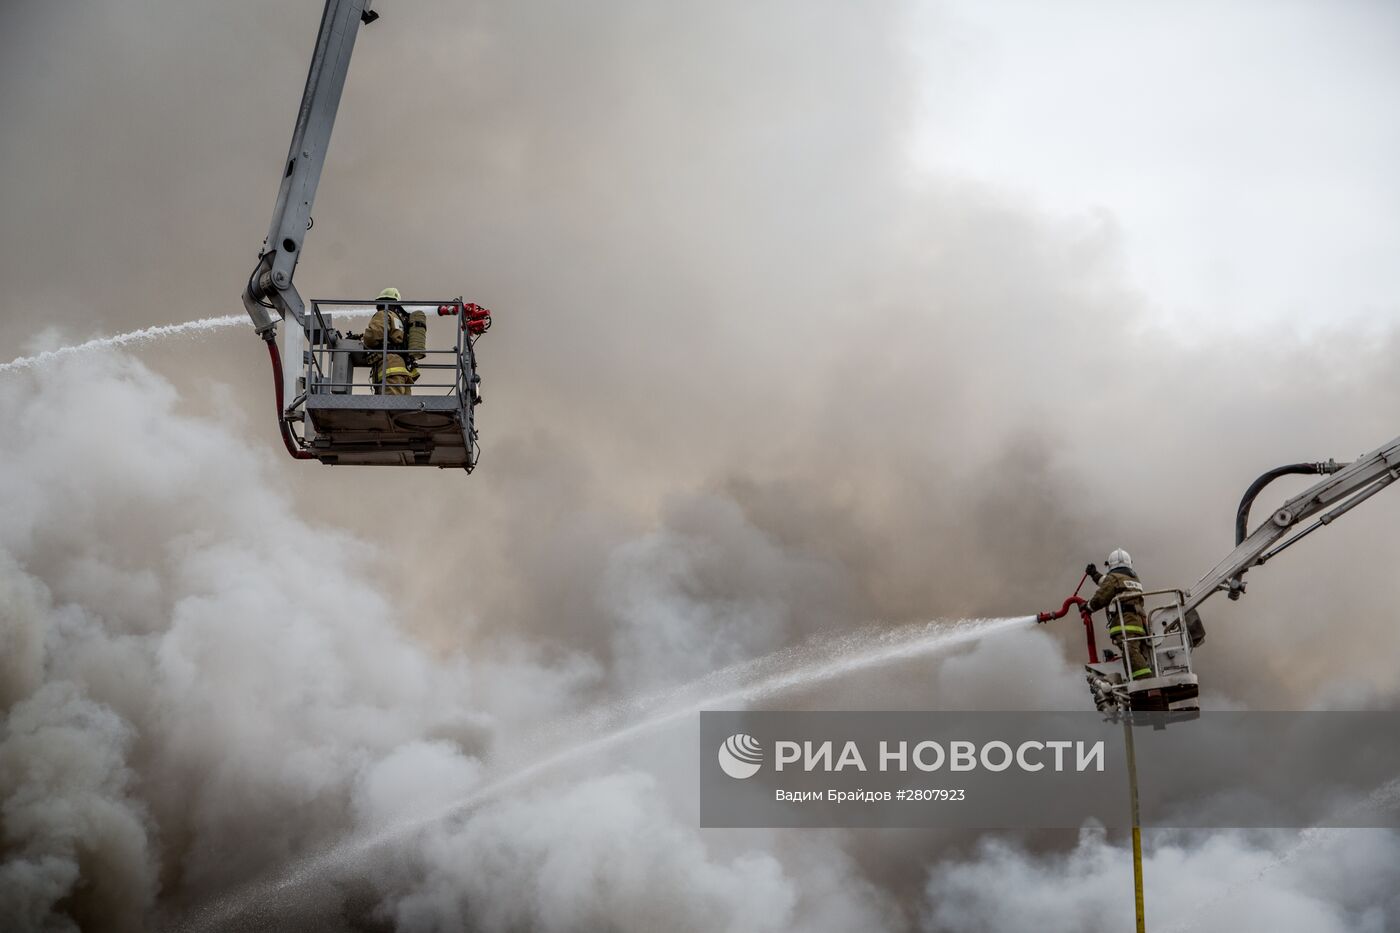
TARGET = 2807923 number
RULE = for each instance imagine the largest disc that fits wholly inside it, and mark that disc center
(934, 794)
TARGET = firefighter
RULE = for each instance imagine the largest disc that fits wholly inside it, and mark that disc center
(397, 369)
(1127, 617)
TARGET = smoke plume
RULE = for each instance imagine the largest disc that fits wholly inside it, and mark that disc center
(755, 378)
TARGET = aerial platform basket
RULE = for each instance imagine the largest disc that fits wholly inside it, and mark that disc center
(1172, 632)
(346, 417)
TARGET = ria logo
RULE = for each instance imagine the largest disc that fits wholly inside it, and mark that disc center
(740, 756)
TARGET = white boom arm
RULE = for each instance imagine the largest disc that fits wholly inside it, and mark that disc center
(1328, 500)
(270, 295)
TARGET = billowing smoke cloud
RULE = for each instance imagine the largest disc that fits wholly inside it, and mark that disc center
(1324, 880)
(187, 707)
(752, 380)
(71, 820)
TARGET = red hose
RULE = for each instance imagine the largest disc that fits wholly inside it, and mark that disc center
(1089, 633)
(287, 438)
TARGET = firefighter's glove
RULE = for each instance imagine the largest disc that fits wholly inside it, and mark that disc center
(1093, 573)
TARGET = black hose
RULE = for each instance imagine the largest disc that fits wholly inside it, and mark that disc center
(1256, 487)
(252, 290)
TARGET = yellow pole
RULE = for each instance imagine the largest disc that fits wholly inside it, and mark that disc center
(1137, 829)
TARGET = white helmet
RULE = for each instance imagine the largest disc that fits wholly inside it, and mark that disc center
(1119, 558)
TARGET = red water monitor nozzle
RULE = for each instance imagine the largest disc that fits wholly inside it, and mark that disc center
(1084, 614)
(476, 320)
(1062, 611)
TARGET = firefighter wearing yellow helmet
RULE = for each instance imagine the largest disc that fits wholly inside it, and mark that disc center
(402, 334)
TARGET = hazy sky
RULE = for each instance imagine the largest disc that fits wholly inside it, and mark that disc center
(1247, 150)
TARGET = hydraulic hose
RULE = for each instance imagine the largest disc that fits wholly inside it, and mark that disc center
(287, 438)
(1256, 487)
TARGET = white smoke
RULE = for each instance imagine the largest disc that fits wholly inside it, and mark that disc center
(202, 687)
(604, 853)
(71, 820)
(1343, 882)
(209, 674)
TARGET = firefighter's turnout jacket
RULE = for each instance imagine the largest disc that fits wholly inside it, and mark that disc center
(394, 368)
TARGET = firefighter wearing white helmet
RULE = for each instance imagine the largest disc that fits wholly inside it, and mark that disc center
(393, 329)
(1127, 616)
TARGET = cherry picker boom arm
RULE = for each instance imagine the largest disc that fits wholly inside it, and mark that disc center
(270, 295)
(1329, 499)
(416, 408)
(1173, 627)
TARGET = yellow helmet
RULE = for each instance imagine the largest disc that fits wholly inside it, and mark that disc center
(389, 294)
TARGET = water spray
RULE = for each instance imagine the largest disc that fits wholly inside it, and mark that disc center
(134, 338)
(131, 338)
(805, 666)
